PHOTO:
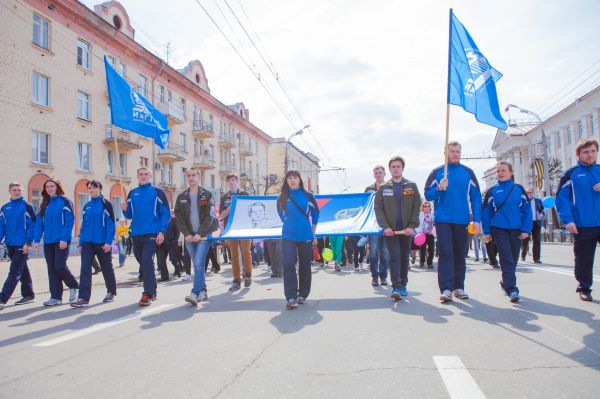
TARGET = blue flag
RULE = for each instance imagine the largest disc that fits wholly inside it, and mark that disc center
(471, 78)
(131, 111)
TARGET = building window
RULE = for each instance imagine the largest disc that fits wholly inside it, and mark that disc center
(182, 142)
(111, 60)
(110, 162)
(558, 141)
(83, 105)
(144, 161)
(117, 22)
(202, 175)
(169, 96)
(36, 199)
(117, 201)
(39, 148)
(162, 172)
(122, 70)
(182, 182)
(170, 173)
(211, 150)
(83, 54)
(40, 31)
(569, 136)
(580, 129)
(83, 156)
(592, 124)
(212, 181)
(183, 106)
(143, 86)
(123, 164)
(40, 89)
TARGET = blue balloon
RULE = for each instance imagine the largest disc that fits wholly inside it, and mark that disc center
(548, 202)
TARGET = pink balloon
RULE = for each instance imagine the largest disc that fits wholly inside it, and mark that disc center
(420, 239)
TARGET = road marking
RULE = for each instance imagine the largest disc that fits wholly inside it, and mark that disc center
(102, 326)
(554, 270)
(459, 382)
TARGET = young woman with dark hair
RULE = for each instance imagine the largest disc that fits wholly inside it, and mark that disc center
(55, 223)
(300, 214)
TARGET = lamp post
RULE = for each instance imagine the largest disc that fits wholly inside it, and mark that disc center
(299, 132)
(547, 190)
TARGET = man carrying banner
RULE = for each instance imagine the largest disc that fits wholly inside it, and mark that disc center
(148, 208)
(378, 254)
(397, 207)
(236, 246)
(578, 202)
(451, 196)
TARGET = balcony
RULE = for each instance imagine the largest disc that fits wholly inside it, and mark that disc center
(204, 161)
(123, 178)
(245, 174)
(172, 152)
(174, 112)
(167, 186)
(202, 130)
(226, 140)
(226, 168)
(127, 140)
(245, 150)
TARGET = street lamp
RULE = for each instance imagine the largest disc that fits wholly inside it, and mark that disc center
(299, 132)
(547, 190)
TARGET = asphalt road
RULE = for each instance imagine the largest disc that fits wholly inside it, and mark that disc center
(349, 341)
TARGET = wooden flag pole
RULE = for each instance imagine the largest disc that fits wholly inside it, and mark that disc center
(118, 169)
(447, 140)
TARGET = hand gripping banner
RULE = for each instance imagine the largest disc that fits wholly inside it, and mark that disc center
(340, 215)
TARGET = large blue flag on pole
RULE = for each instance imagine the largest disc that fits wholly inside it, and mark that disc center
(130, 110)
(471, 78)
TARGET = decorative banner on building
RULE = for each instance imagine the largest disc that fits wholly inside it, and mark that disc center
(539, 173)
(340, 214)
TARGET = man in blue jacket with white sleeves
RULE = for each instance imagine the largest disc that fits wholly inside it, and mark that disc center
(578, 205)
(452, 196)
(17, 225)
(148, 208)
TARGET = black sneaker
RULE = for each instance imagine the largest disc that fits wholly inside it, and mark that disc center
(247, 281)
(24, 300)
(140, 278)
(375, 282)
(384, 281)
(109, 297)
(523, 258)
(585, 296)
(235, 286)
(537, 261)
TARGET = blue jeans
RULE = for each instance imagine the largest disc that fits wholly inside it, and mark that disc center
(584, 249)
(144, 247)
(295, 285)
(476, 246)
(88, 251)
(378, 257)
(509, 245)
(18, 272)
(452, 241)
(198, 251)
(121, 252)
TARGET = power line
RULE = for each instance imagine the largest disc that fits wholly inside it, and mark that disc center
(548, 108)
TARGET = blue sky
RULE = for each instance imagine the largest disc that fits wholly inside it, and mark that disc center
(370, 77)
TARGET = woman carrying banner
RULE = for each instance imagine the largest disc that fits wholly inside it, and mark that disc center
(299, 212)
(55, 223)
(507, 216)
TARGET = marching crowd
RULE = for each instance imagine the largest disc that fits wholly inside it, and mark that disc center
(451, 217)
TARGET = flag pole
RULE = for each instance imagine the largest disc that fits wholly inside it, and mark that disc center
(118, 162)
(448, 99)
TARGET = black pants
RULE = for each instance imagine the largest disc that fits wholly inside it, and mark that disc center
(58, 271)
(584, 249)
(176, 257)
(492, 252)
(399, 250)
(427, 250)
(536, 238)
(162, 253)
(88, 253)
(212, 256)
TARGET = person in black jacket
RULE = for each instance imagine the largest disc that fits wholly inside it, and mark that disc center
(169, 248)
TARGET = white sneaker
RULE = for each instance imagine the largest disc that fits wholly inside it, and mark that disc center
(446, 296)
(73, 292)
(186, 277)
(460, 294)
(53, 302)
(192, 299)
(202, 296)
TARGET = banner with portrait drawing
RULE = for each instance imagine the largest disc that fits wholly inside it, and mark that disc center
(340, 214)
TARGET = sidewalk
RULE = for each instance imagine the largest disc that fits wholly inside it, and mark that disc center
(37, 266)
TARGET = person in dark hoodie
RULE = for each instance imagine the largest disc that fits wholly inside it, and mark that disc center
(148, 208)
(95, 239)
(506, 216)
(18, 238)
(299, 212)
(55, 223)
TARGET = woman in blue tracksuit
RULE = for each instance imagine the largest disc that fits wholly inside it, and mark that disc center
(507, 217)
(55, 224)
(95, 239)
(300, 214)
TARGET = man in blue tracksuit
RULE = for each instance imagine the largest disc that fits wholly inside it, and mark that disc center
(578, 204)
(95, 239)
(148, 208)
(451, 197)
(507, 217)
(17, 225)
